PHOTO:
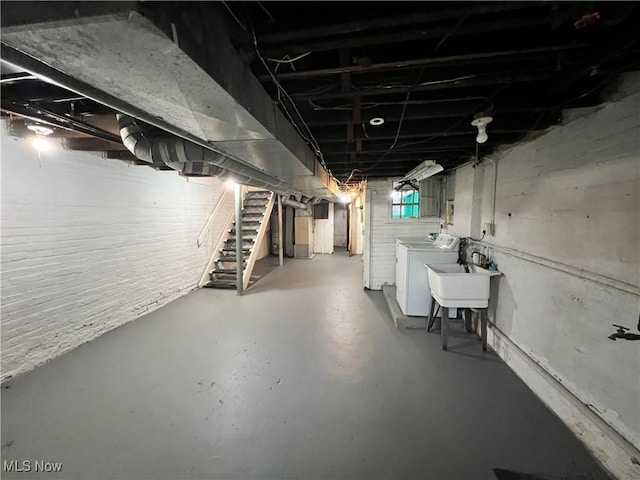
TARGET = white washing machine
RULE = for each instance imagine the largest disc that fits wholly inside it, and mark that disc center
(412, 282)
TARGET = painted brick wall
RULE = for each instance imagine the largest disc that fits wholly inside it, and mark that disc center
(381, 232)
(88, 244)
(568, 242)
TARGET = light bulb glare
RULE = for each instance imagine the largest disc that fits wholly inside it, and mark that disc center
(41, 144)
(229, 183)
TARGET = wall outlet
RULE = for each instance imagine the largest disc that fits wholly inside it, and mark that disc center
(490, 228)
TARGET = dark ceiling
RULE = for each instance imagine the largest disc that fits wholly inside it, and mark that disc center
(425, 68)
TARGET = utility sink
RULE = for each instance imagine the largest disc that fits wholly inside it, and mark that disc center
(452, 286)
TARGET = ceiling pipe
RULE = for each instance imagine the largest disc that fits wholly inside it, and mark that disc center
(190, 158)
(286, 200)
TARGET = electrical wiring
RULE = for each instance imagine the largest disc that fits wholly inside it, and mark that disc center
(344, 106)
(454, 125)
(369, 105)
(281, 91)
(423, 84)
(264, 9)
(406, 100)
(288, 60)
(310, 139)
(234, 16)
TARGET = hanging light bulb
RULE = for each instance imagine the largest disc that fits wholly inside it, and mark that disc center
(40, 141)
(41, 144)
(481, 122)
(482, 135)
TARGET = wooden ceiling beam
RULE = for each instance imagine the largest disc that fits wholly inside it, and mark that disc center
(386, 22)
(489, 26)
(465, 59)
(476, 80)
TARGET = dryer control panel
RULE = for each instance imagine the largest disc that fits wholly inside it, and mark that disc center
(446, 242)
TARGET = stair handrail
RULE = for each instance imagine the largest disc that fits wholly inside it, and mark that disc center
(246, 274)
(214, 212)
(215, 253)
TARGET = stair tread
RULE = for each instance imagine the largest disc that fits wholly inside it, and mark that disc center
(218, 284)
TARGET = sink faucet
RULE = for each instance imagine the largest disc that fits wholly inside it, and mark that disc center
(621, 333)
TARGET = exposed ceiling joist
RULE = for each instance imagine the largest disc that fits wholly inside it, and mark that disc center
(408, 35)
(506, 78)
(387, 22)
(464, 59)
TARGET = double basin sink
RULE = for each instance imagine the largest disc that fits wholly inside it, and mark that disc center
(452, 286)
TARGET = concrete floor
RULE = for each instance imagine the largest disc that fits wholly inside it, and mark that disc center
(304, 377)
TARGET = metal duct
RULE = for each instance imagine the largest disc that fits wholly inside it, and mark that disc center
(190, 158)
(293, 203)
(201, 91)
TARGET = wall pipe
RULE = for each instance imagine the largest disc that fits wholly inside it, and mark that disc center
(495, 187)
(189, 158)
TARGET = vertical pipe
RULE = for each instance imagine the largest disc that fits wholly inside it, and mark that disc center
(280, 237)
(347, 207)
(239, 256)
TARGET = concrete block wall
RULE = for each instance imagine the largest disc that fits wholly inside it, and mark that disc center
(568, 242)
(381, 232)
(88, 244)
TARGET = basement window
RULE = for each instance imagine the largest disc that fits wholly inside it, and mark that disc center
(405, 202)
(321, 211)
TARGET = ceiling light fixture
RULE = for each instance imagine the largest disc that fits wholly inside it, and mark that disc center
(376, 121)
(425, 170)
(40, 129)
(480, 122)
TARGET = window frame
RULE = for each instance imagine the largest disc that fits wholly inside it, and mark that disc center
(414, 204)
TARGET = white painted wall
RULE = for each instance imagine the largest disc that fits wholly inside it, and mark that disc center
(357, 227)
(340, 224)
(568, 242)
(381, 232)
(89, 244)
(323, 233)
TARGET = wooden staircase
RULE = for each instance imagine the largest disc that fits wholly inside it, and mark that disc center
(256, 211)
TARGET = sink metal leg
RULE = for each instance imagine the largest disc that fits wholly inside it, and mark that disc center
(484, 318)
(444, 320)
(468, 323)
(432, 317)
